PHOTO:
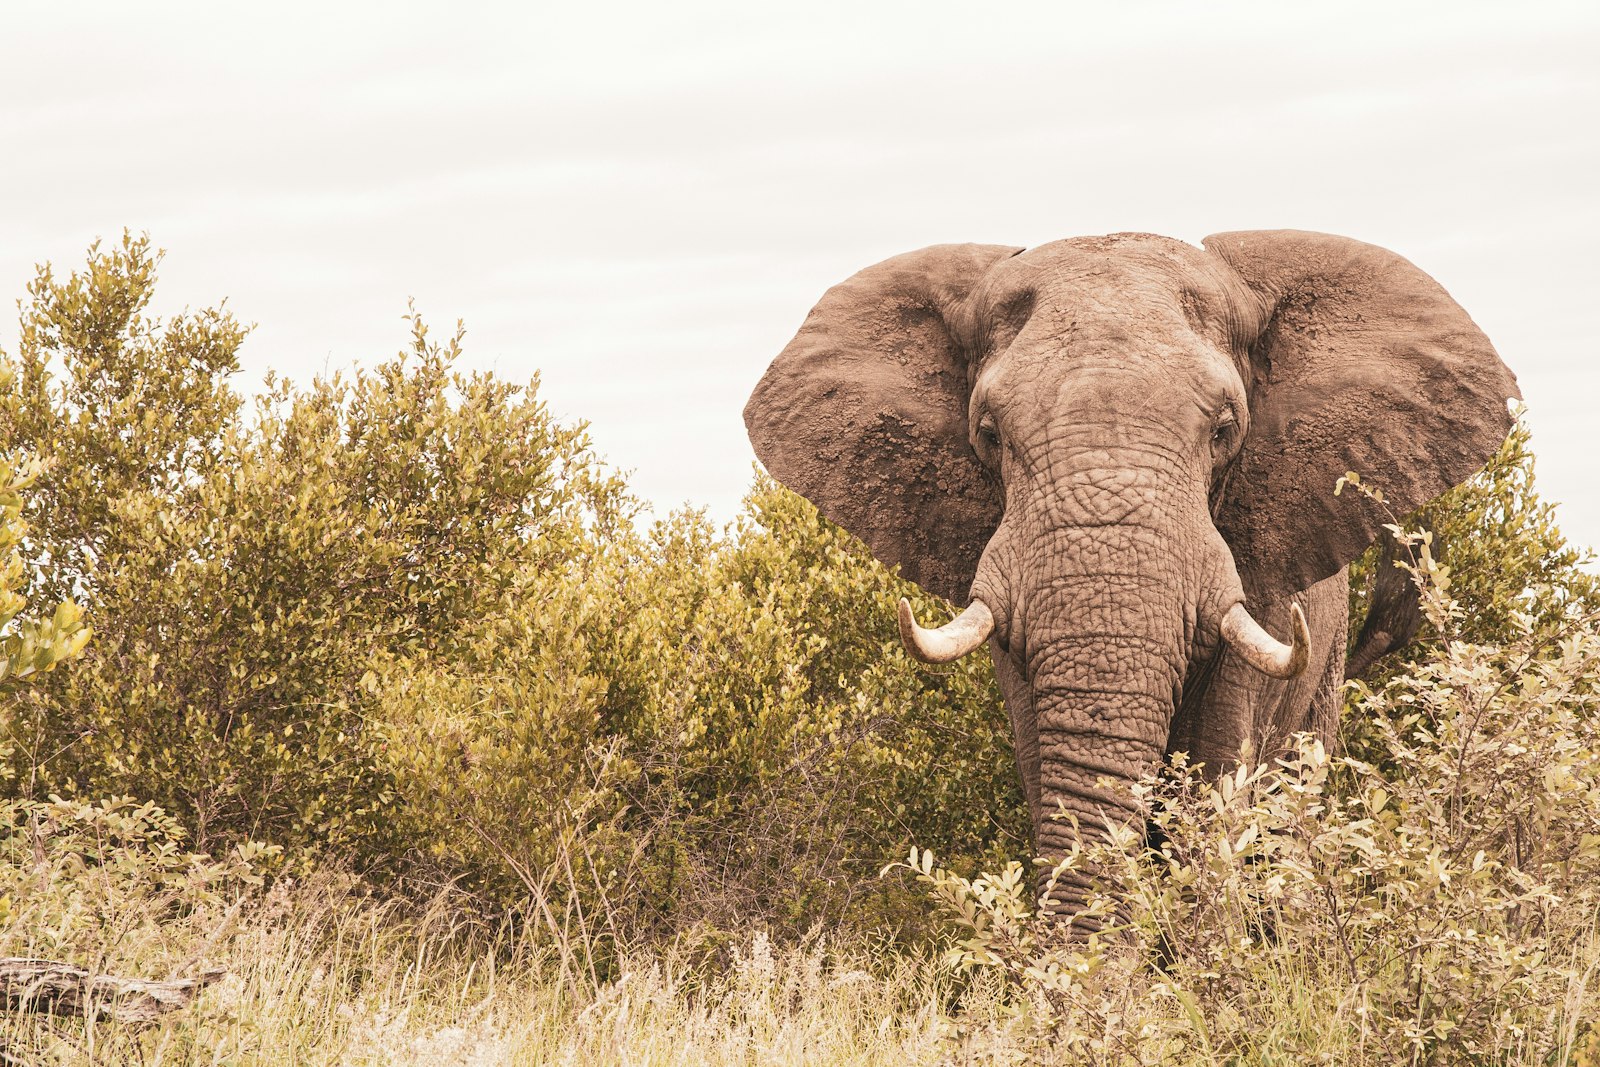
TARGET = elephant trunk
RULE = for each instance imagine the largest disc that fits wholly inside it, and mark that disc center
(1091, 651)
(1104, 706)
(1104, 654)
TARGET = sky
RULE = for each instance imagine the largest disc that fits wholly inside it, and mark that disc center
(640, 202)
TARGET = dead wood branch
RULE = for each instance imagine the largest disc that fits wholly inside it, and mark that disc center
(62, 989)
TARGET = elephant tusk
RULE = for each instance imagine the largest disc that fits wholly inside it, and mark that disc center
(1263, 651)
(951, 641)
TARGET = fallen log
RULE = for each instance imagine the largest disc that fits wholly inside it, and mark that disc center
(62, 989)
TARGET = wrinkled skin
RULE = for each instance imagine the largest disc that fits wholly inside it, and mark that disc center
(1110, 442)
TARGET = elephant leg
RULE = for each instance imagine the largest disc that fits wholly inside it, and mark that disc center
(1311, 703)
(1328, 703)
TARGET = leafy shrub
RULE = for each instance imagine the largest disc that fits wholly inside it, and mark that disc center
(697, 730)
(29, 647)
(506, 782)
(405, 616)
(246, 571)
(71, 871)
(788, 746)
(1498, 552)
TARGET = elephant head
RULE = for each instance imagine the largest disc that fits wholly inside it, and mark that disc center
(1107, 447)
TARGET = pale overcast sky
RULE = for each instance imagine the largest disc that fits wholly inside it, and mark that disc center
(642, 201)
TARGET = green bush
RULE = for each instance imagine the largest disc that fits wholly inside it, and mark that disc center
(1499, 552)
(245, 571)
(694, 730)
(788, 745)
(29, 647)
(405, 616)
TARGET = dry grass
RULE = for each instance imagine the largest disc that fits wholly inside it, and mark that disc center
(317, 976)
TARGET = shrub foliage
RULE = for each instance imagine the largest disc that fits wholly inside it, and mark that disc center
(407, 616)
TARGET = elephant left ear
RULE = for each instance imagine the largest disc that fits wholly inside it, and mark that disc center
(865, 413)
(1363, 363)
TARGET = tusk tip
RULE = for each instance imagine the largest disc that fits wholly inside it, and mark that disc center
(1263, 651)
(908, 623)
(1301, 654)
(949, 642)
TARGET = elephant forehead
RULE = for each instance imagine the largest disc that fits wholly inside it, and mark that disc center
(1129, 260)
(1103, 365)
(1126, 289)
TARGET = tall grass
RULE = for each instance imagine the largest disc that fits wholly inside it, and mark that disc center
(318, 975)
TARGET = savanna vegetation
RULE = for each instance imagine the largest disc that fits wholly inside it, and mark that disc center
(383, 696)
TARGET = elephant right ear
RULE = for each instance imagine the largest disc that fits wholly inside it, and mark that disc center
(865, 414)
(1363, 363)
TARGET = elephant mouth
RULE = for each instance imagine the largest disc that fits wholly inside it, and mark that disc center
(969, 630)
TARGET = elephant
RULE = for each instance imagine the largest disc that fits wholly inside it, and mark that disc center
(1120, 454)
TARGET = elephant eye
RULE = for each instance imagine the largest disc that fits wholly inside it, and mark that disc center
(1225, 424)
(988, 433)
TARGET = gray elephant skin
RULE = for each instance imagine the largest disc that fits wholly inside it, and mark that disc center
(1120, 453)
